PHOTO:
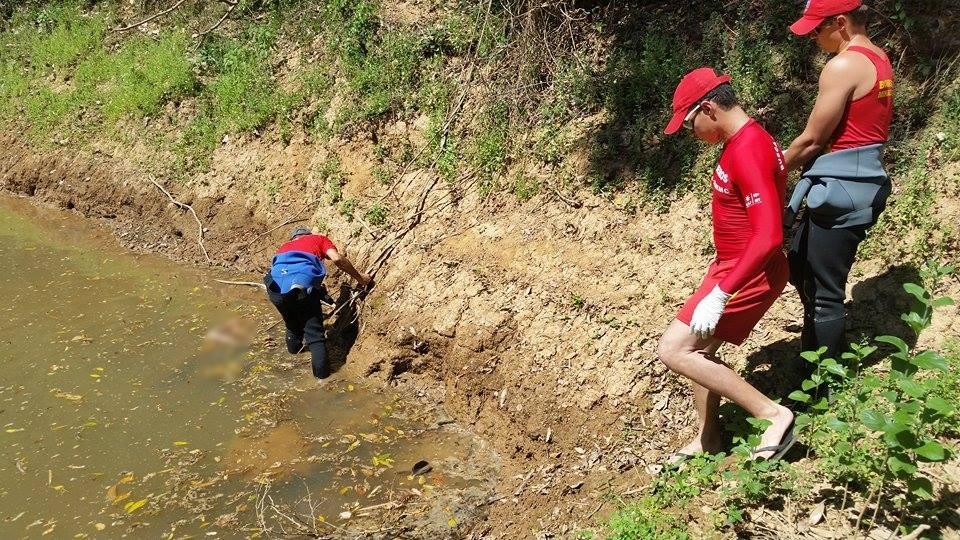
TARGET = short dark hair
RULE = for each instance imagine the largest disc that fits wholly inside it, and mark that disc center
(859, 16)
(723, 96)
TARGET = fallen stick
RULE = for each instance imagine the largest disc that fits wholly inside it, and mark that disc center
(233, 6)
(195, 217)
(247, 283)
(150, 18)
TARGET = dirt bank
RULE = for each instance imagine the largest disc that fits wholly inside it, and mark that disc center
(536, 324)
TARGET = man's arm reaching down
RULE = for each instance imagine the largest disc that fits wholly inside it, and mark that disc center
(344, 264)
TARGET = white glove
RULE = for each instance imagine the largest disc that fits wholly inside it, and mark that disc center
(707, 313)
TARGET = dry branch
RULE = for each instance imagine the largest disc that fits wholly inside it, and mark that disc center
(247, 283)
(150, 18)
(195, 217)
(233, 6)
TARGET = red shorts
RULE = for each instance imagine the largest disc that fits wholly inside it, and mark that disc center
(747, 306)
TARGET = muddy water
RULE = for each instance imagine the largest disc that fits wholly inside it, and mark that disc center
(122, 418)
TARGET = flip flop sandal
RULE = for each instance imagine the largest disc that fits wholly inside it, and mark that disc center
(676, 459)
(781, 449)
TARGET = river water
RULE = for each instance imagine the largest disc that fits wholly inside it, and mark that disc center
(123, 416)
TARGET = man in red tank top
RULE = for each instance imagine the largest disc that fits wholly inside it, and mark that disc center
(749, 271)
(843, 185)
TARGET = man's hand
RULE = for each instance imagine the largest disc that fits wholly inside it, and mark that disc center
(707, 313)
(365, 280)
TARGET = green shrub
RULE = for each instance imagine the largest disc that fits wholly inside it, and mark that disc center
(14, 84)
(376, 215)
(488, 154)
(63, 35)
(147, 73)
(242, 95)
(644, 520)
(873, 426)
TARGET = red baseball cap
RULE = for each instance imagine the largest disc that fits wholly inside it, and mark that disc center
(818, 10)
(692, 87)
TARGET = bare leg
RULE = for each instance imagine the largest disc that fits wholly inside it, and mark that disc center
(688, 355)
(707, 404)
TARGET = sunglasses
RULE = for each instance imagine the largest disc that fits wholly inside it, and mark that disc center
(823, 24)
(688, 120)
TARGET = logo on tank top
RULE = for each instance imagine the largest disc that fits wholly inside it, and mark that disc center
(752, 199)
(886, 89)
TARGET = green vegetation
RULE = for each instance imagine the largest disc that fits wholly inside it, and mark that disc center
(869, 422)
(360, 68)
(907, 405)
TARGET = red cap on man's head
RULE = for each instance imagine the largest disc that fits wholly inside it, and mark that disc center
(692, 87)
(818, 10)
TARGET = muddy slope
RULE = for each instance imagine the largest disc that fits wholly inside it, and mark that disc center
(534, 323)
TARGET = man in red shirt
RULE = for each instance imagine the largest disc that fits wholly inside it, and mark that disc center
(295, 286)
(750, 269)
(843, 187)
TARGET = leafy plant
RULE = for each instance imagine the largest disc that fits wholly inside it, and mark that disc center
(880, 426)
(376, 215)
(347, 208)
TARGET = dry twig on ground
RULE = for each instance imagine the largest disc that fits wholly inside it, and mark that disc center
(195, 217)
(150, 18)
(247, 283)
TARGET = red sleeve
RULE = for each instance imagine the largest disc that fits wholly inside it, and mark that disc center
(323, 245)
(755, 174)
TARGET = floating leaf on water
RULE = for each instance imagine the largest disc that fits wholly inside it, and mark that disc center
(452, 522)
(180, 443)
(132, 506)
(349, 388)
(344, 490)
(99, 526)
(14, 430)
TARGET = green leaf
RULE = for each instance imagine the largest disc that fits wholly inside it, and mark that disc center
(802, 421)
(932, 451)
(931, 360)
(921, 487)
(873, 420)
(900, 344)
(912, 388)
(942, 301)
(836, 369)
(836, 424)
(901, 463)
(907, 439)
(940, 405)
(807, 385)
(821, 405)
(813, 356)
(759, 423)
(799, 396)
(917, 292)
